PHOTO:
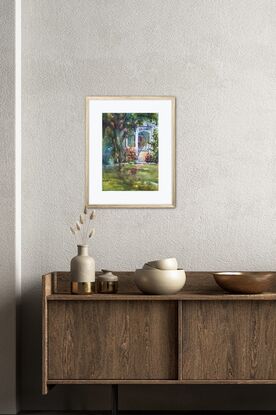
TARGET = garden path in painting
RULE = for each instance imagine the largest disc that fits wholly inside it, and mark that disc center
(130, 152)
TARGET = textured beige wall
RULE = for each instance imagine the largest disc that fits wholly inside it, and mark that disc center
(219, 59)
(7, 205)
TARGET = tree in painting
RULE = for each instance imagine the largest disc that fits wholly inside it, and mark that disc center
(130, 151)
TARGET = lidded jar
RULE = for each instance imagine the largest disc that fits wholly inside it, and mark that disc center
(107, 283)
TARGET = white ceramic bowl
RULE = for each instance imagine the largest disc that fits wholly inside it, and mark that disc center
(166, 263)
(156, 281)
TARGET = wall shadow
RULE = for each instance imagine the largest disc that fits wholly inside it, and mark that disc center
(8, 348)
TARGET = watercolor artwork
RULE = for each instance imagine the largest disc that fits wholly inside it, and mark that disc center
(130, 152)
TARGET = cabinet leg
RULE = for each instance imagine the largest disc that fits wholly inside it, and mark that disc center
(115, 400)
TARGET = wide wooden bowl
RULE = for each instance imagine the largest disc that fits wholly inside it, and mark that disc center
(245, 282)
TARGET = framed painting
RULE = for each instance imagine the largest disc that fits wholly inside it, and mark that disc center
(130, 152)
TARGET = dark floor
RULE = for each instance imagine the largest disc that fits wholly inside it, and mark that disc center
(148, 413)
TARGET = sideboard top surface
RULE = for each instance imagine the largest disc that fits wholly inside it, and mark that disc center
(199, 286)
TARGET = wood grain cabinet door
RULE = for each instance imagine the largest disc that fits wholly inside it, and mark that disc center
(229, 340)
(112, 340)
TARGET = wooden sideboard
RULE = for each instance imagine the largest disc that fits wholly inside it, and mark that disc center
(200, 335)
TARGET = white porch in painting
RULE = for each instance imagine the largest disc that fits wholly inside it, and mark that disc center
(149, 128)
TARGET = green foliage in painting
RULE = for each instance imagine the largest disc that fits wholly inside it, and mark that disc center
(154, 145)
(131, 177)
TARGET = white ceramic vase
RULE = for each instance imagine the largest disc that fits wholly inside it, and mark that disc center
(82, 271)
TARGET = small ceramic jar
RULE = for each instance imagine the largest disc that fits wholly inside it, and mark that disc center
(107, 283)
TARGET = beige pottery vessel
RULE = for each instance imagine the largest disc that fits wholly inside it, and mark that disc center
(82, 266)
(156, 281)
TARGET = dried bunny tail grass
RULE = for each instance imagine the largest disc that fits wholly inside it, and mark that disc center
(85, 210)
(78, 226)
(92, 233)
(93, 214)
(81, 219)
(72, 230)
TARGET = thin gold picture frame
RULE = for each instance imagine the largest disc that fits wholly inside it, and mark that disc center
(173, 147)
